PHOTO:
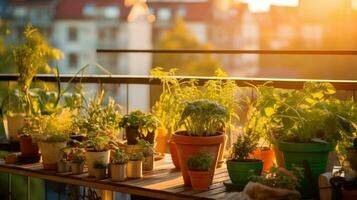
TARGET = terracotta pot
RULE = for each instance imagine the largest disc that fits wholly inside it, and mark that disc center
(174, 155)
(118, 172)
(63, 166)
(131, 135)
(200, 180)
(134, 169)
(27, 147)
(14, 123)
(222, 149)
(191, 145)
(161, 141)
(148, 164)
(77, 168)
(267, 155)
(51, 154)
(100, 173)
(92, 156)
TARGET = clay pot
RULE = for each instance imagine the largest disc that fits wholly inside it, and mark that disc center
(174, 155)
(14, 123)
(77, 168)
(100, 173)
(92, 156)
(134, 169)
(161, 141)
(191, 145)
(27, 147)
(200, 180)
(267, 155)
(63, 166)
(118, 172)
(51, 154)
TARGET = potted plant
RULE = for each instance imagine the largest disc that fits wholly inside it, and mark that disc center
(100, 169)
(148, 153)
(200, 123)
(64, 164)
(78, 160)
(29, 148)
(139, 125)
(54, 136)
(100, 125)
(240, 166)
(198, 166)
(118, 165)
(306, 125)
(135, 165)
(278, 183)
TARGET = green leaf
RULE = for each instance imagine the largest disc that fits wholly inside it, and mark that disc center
(269, 111)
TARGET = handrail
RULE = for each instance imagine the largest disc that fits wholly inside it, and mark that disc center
(232, 51)
(348, 85)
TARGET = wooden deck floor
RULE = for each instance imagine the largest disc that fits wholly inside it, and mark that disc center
(165, 182)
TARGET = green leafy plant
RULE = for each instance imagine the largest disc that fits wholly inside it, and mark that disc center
(203, 118)
(136, 156)
(200, 162)
(120, 157)
(33, 54)
(78, 155)
(308, 115)
(147, 148)
(280, 178)
(144, 122)
(33, 126)
(57, 127)
(99, 164)
(243, 146)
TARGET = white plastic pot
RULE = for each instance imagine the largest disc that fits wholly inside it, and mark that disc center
(14, 123)
(51, 153)
(92, 156)
(134, 169)
(118, 172)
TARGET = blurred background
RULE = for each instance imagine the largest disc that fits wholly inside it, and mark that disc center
(79, 27)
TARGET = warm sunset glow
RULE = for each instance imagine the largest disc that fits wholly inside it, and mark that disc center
(264, 5)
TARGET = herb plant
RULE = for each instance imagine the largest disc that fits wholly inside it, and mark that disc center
(120, 157)
(144, 122)
(278, 178)
(99, 164)
(136, 156)
(78, 156)
(147, 148)
(203, 118)
(244, 145)
(200, 162)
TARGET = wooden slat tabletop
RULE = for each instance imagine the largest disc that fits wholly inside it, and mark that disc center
(165, 182)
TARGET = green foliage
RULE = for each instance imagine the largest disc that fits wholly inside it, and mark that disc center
(200, 162)
(146, 147)
(307, 115)
(180, 37)
(120, 157)
(203, 118)
(99, 123)
(33, 125)
(144, 122)
(136, 156)
(34, 54)
(278, 178)
(99, 164)
(243, 146)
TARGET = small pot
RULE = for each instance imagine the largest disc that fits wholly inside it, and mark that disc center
(161, 141)
(14, 123)
(148, 164)
(240, 171)
(100, 173)
(77, 168)
(134, 169)
(28, 148)
(92, 156)
(118, 172)
(51, 154)
(200, 180)
(63, 166)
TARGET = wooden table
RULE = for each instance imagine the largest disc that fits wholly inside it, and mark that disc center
(165, 182)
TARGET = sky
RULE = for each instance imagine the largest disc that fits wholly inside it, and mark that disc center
(264, 5)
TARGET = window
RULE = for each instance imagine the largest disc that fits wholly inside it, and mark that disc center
(72, 34)
(89, 10)
(164, 14)
(73, 60)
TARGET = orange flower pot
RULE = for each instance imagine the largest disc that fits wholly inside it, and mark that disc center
(190, 145)
(200, 180)
(174, 155)
(161, 141)
(267, 155)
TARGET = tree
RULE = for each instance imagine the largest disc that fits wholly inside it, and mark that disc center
(180, 37)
